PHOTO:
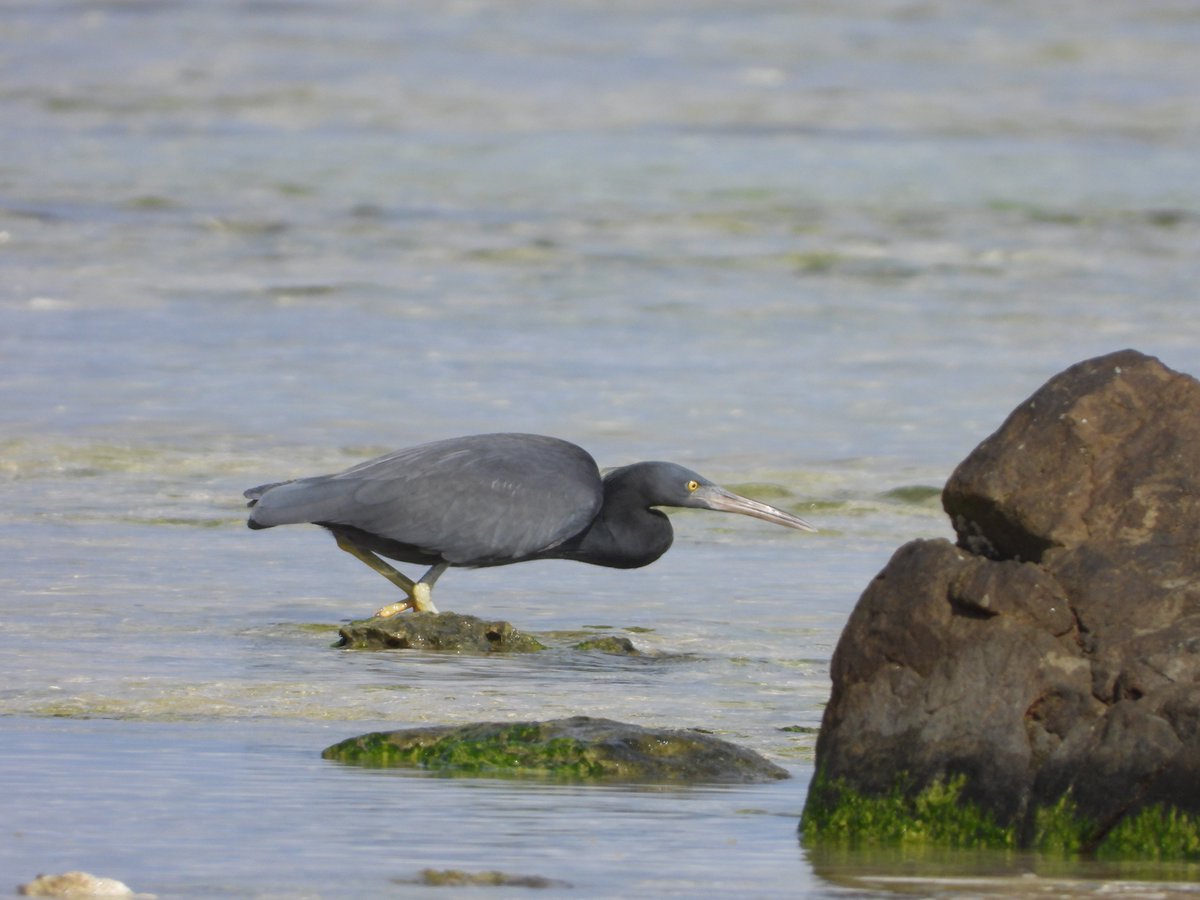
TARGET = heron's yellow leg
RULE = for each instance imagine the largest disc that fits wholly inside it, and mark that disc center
(418, 592)
(422, 597)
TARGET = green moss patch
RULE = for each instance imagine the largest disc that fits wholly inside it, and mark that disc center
(1157, 832)
(937, 816)
(521, 749)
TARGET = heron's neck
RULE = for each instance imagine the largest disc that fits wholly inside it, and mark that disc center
(627, 533)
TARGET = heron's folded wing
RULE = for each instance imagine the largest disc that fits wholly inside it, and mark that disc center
(478, 500)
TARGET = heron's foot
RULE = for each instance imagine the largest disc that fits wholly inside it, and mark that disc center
(419, 600)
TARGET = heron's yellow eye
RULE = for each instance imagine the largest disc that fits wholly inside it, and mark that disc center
(692, 485)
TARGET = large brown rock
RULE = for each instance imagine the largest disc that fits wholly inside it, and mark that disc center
(1105, 452)
(1055, 650)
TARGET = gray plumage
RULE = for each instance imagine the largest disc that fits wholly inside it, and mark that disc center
(472, 501)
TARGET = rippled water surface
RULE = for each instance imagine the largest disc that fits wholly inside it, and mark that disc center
(815, 251)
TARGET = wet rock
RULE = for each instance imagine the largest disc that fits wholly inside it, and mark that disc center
(575, 748)
(437, 631)
(77, 885)
(1047, 666)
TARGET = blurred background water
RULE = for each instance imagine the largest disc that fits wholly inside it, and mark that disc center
(816, 251)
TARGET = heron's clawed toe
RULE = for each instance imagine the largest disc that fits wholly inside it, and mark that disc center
(393, 609)
(419, 599)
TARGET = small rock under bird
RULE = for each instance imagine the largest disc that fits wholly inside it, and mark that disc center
(492, 500)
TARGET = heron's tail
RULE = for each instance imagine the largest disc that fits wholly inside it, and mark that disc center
(253, 494)
(319, 499)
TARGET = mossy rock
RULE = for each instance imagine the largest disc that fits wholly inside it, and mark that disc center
(609, 643)
(578, 748)
(455, 633)
(437, 631)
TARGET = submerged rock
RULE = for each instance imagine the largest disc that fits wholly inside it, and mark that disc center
(609, 643)
(576, 748)
(1044, 671)
(491, 878)
(436, 631)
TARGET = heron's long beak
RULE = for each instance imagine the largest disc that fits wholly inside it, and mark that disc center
(718, 498)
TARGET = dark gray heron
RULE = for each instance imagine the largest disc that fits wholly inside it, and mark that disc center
(495, 499)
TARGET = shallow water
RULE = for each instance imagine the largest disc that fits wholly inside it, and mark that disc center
(816, 252)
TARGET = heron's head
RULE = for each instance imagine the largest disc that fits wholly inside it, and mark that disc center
(670, 484)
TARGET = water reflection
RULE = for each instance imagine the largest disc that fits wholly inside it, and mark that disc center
(924, 871)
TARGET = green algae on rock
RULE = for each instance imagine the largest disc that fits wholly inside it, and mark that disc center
(1158, 832)
(1155, 832)
(836, 812)
(938, 816)
(578, 748)
(436, 631)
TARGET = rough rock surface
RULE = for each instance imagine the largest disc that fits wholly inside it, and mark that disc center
(577, 748)
(76, 885)
(1055, 650)
(436, 631)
